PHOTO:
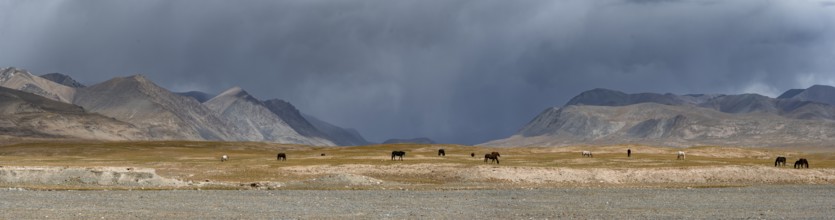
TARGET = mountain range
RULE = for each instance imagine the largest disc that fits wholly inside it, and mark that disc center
(146, 111)
(799, 117)
(54, 106)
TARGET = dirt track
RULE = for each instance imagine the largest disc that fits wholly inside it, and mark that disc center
(759, 202)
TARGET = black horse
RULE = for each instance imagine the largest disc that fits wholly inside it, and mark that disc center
(801, 163)
(397, 154)
(492, 157)
(472, 154)
(281, 156)
(441, 153)
(780, 161)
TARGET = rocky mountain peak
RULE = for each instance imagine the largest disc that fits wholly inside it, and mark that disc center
(20, 79)
(235, 93)
(63, 80)
(9, 72)
(139, 79)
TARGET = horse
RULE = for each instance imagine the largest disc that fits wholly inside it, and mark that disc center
(492, 157)
(780, 161)
(441, 153)
(224, 158)
(322, 155)
(680, 155)
(587, 153)
(472, 154)
(801, 163)
(281, 156)
(397, 154)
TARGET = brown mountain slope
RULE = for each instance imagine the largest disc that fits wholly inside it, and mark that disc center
(667, 125)
(26, 115)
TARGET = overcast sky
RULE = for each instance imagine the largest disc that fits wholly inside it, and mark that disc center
(457, 71)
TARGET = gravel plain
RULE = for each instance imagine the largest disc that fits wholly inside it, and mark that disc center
(753, 202)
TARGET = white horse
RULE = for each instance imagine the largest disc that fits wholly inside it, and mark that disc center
(224, 158)
(680, 155)
(587, 153)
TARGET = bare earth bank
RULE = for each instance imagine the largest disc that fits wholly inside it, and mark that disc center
(766, 201)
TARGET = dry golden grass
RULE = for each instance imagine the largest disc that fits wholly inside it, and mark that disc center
(249, 161)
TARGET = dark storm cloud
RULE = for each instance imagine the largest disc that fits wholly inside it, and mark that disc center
(455, 71)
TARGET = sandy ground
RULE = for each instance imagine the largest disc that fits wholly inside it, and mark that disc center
(755, 202)
(546, 176)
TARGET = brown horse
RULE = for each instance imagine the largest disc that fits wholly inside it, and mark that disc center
(441, 153)
(281, 156)
(780, 161)
(801, 163)
(492, 157)
(397, 154)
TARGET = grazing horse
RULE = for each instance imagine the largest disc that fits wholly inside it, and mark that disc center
(780, 161)
(680, 155)
(492, 157)
(224, 158)
(322, 155)
(472, 154)
(441, 153)
(801, 163)
(587, 153)
(397, 154)
(281, 156)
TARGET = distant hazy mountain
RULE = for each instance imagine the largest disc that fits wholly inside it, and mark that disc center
(244, 110)
(26, 115)
(22, 80)
(197, 95)
(162, 114)
(342, 136)
(735, 104)
(294, 118)
(421, 140)
(610, 117)
(606, 97)
(816, 93)
(63, 80)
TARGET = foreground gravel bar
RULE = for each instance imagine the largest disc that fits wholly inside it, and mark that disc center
(768, 202)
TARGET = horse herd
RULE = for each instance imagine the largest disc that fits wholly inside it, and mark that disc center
(494, 157)
(800, 163)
